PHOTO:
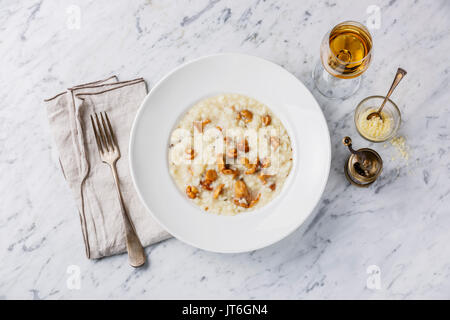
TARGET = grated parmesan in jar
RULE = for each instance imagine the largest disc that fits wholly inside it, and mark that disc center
(375, 128)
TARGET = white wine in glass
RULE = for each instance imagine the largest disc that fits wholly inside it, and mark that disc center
(345, 53)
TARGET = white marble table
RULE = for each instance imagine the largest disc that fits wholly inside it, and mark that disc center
(400, 224)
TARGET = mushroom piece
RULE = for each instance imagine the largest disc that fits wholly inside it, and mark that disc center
(240, 203)
(244, 161)
(206, 184)
(246, 115)
(242, 196)
(273, 186)
(190, 153)
(254, 201)
(263, 178)
(218, 190)
(234, 172)
(266, 120)
(211, 175)
(191, 192)
(243, 145)
(250, 166)
(240, 189)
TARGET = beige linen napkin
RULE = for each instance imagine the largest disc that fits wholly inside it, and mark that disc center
(89, 179)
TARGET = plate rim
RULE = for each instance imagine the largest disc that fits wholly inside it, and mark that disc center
(262, 244)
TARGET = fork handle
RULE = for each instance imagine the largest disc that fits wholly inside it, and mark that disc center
(136, 254)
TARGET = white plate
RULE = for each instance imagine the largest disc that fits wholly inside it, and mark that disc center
(272, 85)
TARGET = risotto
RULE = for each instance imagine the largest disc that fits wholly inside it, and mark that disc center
(229, 154)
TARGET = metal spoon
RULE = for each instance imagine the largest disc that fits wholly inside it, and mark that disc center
(398, 77)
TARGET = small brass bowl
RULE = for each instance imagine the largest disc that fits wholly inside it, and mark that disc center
(352, 170)
(363, 166)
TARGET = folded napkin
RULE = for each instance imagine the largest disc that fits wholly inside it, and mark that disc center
(88, 177)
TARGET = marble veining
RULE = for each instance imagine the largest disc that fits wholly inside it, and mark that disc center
(400, 224)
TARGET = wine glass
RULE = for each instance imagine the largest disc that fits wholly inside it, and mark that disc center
(345, 54)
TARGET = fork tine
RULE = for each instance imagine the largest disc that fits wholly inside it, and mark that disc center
(113, 138)
(99, 145)
(107, 132)
(102, 135)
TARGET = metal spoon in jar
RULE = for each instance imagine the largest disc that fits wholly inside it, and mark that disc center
(398, 77)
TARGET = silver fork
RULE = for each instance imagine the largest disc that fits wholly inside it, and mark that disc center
(109, 153)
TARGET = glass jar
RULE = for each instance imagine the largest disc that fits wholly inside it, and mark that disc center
(377, 130)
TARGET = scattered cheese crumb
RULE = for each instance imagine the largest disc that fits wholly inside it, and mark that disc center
(400, 145)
